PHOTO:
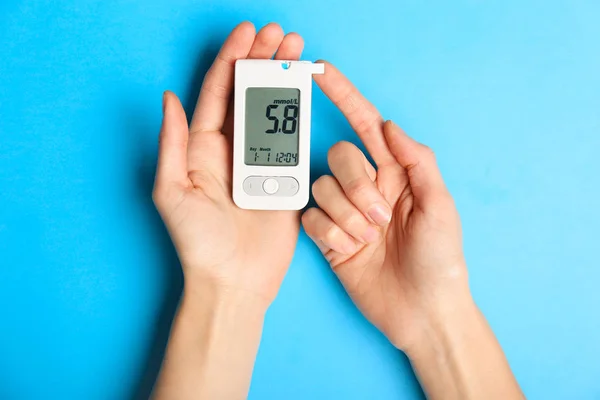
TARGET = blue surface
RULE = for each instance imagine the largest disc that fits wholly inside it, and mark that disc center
(506, 92)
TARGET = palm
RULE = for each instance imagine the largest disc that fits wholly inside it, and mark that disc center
(376, 276)
(207, 215)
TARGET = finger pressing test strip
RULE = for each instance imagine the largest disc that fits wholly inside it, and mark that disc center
(271, 139)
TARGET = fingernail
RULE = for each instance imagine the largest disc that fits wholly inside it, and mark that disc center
(380, 214)
(349, 247)
(164, 101)
(371, 234)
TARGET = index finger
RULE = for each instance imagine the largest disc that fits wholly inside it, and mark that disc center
(211, 108)
(360, 113)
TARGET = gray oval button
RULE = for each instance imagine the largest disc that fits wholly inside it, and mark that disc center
(253, 185)
(288, 186)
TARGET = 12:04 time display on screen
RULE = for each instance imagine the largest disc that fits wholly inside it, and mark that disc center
(267, 156)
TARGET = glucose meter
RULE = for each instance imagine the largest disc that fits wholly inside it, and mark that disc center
(271, 139)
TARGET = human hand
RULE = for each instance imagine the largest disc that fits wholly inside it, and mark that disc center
(391, 235)
(219, 244)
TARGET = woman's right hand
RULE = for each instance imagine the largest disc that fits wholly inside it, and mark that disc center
(391, 234)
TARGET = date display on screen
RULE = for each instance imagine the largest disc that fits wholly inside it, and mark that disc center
(272, 126)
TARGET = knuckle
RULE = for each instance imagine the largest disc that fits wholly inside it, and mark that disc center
(218, 90)
(361, 114)
(358, 187)
(367, 119)
(428, 152)
(332, 234)
(347, 101)
(168, 141)
(349, 220)
(225, 58)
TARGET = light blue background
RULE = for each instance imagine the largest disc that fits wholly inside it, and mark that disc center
(506, 92)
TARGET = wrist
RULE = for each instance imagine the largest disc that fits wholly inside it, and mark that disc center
(458, 357)
(205, 297)
(432, 308)
(213, 343)
(446, 328)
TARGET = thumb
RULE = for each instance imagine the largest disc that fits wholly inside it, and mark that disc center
(419, 162)
(173, 140)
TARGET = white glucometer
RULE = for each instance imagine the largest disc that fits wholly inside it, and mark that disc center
(271, 133)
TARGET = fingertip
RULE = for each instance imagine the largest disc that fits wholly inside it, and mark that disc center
(245, 27)
(295, 41)
(342, 151)
(167, 95)
(419, 162)
(272, 32)
(392, 133)
(295, 36)
(305, 216)
(290, 48)
(167, 101)
(266, 42)
(308, 220)
(273, 26)
(173, 139)
(402, 145)
(241, 39)
(391, 127)
(326, 65)
(173, 112)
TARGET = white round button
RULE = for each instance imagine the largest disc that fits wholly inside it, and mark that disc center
(270, 186)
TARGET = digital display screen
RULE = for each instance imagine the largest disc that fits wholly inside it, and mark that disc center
(272, 126)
